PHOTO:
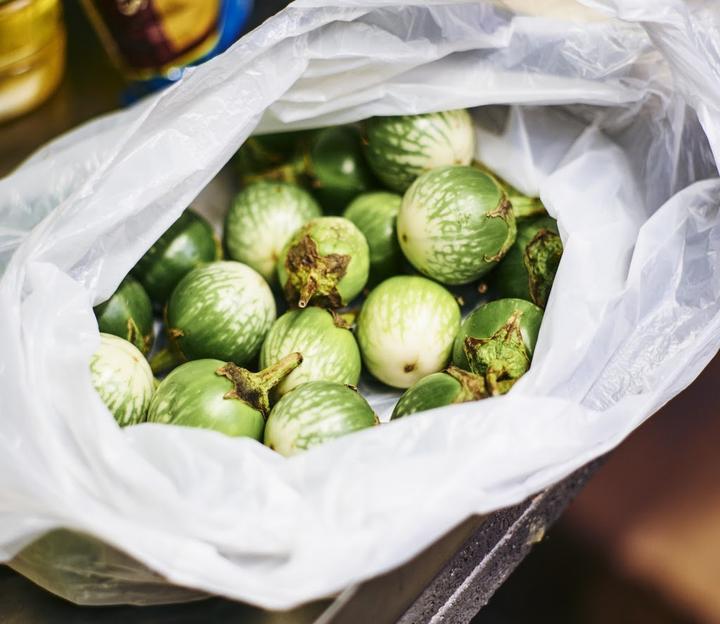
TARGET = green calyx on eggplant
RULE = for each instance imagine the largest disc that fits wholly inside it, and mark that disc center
(217, 395)
(375, 215)
(314, 413)
(528, 269)
(524, 206)
(222, 310)
(128, 314)
(451, 386)
(455, 224)
(187, 244)
(325, 263)
(497, 341)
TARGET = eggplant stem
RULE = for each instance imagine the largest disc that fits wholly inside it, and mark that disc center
(308, 290)
(253, 388)
(271, 376)
(473, 386)
(524, 206)
(289, 172)
(344, 320)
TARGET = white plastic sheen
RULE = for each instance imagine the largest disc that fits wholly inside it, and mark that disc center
(614, 123)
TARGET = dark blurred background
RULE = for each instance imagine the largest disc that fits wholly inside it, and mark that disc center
(641, 544)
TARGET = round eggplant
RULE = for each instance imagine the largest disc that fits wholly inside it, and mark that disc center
(329, 350)
(455, 224)
(262, 219)
(128, 314)
(401, 148)
(222, 310)
(406, 329)
(325, 263)
(314, 413)
(453, 385)
(528, 269)
(336, 168)
(497, 341)
(122, 377)
(188, 243)
(375, 215)
(218, 395)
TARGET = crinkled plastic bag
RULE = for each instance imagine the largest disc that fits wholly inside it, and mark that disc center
(613, 122)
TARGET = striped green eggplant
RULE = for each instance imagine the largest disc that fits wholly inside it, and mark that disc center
(336, 168)
(188, 243)
(222, 310)
(329, 350)
(455, 224)
(261, 220)
(218, 395)
(497, 341)
(401, 148)
(406, 329)
(375, 215)
(453, 385)
(325, 263)
(128, 314)
(528, 269)
(314, 413)
(123, 379)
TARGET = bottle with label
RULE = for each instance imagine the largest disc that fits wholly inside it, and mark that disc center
(153, 40)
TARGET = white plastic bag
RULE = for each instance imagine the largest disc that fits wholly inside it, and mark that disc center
(614, 124)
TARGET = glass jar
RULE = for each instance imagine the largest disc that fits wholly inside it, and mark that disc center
(32, 53)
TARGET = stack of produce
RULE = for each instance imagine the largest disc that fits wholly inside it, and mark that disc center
(366, 232)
